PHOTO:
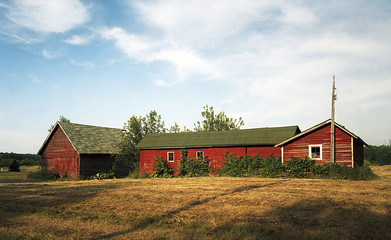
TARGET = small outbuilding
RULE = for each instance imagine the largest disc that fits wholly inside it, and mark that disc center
(79, 150)
(315, 143)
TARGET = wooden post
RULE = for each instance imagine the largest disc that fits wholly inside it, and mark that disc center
(332, 147)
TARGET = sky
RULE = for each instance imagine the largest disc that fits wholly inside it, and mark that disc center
(269, 62)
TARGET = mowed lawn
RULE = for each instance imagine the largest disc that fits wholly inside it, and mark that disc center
(198, 208)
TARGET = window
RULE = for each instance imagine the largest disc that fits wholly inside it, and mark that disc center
(315, 152)
(170, 156)
(200, 155)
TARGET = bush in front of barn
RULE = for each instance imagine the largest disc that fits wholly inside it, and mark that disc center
(299, 168)
(44, 175)
(161, 169)
(192, 167)
(271, 166)
(235, 166)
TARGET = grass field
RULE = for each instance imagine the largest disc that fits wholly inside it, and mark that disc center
(5, 175)
(198, 208)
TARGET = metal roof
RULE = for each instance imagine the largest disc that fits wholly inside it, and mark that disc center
(87, 139)
(244, 137)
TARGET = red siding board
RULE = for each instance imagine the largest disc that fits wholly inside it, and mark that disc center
(59, 155)
(321, 136)
(215, 155)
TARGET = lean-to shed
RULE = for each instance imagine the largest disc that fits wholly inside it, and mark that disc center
(79, 150)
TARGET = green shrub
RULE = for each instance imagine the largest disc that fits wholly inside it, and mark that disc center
(162, 169)
(192, 167)
(14, 166)
(251, 166)
(357, 173)
(196, 167)
(136, 174)
(298, 167)
(233, 165)
(321, 170)
(271, 166)
(183, 163)
(105, 175)
(44, 175)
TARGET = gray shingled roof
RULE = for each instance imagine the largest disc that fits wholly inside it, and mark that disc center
(89, 139)
(245, 137)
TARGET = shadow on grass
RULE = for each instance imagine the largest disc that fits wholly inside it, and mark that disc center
(45, 198)
(147, 221)
(309, 219)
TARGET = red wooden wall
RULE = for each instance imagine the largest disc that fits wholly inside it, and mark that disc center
(343, 146)
(214, 155)
(59, 155)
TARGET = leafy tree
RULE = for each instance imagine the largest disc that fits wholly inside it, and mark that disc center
(175, 128)
(379, 155)
(134, 130)
(219, 122)
(14, 167)
(61, 120)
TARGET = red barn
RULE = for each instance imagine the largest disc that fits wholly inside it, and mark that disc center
(79, 150)
(284, 142)
(213, 145)
(315, 143)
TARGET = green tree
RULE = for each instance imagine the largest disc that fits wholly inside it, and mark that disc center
(378, 155)
(14, 167)
(175, 128)
(219, 122)
(62, 119)
(134, 130)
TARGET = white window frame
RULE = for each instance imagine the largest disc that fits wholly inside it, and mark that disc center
(168, 156)
(203, 155)
(310, 152)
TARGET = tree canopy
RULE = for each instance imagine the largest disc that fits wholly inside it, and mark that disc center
(62, 119)
(137, 127)
(219, 122)
(133, 131)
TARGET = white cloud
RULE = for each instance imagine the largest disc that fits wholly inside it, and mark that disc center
(87, 65)
(47, 54)
(48, 16)
(132, 45)
(186, 62)
(277, 57)
(34, 79)
(79, 40)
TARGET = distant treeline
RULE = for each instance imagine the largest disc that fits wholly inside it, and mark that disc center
(378, 155)
(23, 159)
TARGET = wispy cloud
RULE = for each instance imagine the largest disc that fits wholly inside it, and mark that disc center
(87, 65)
(79, 40)
(34, 79)
(47, 16)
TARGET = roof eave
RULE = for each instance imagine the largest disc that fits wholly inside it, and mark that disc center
(50, 134)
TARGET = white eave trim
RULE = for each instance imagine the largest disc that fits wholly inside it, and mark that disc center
(316, 127)
(51, 133)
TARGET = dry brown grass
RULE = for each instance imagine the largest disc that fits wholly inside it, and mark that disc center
(198, 208)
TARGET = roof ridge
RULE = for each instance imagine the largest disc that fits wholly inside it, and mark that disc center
(86, 125)
(234, 130)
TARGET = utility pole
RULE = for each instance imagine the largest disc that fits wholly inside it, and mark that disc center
(332, 147)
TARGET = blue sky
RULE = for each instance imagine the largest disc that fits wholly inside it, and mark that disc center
(269, 62)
